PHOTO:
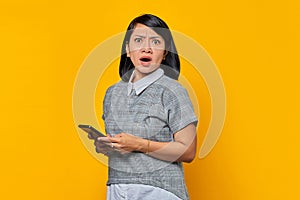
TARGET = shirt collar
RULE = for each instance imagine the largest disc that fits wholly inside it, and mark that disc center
(143, 83)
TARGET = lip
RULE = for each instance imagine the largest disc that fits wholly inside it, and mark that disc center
(145, 60)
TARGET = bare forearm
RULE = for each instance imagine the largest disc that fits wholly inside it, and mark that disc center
(168, 151)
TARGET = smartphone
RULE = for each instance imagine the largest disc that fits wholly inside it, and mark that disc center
(91, 130)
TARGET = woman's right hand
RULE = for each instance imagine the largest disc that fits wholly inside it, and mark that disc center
(101, 147)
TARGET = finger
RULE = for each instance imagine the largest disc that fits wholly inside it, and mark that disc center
(97, 150)
(109, 139)
(104, 139)
(116, 146)
(102, 150)
(102, 145)
(90, 136)
(115, 140)
(119, 148)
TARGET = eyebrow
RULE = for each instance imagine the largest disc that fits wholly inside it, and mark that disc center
(151, 37)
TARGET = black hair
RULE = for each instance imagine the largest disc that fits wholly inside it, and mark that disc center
(171, 63)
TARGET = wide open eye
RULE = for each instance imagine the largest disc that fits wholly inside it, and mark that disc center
(137, 40)
(156, 42)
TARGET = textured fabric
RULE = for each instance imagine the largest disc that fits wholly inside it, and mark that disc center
(160, 110)
(137, 192)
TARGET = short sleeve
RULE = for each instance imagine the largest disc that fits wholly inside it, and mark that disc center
(106, 102)
(180, 109)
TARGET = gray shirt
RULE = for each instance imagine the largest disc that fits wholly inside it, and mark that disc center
(157, 108)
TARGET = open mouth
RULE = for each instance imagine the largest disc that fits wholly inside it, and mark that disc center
(145, 59)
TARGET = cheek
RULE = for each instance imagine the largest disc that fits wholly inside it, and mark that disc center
(159, 55)
(133, 55)
(134, 47)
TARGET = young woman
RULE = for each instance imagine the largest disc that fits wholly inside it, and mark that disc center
(149, 118)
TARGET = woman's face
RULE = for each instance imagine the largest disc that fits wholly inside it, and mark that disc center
(146, 50)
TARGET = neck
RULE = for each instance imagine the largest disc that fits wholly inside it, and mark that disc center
(137, 76)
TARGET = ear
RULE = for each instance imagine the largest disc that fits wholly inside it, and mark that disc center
(127, 50)
(165, 54)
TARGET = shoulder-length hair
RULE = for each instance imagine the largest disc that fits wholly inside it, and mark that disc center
(171, 63)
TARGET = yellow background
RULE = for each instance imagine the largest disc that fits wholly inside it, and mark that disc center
(255, 45)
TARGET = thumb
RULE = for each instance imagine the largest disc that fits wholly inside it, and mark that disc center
(108, 136)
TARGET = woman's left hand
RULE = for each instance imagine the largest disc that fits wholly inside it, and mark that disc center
(123, 142)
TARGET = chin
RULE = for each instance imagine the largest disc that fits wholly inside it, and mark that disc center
(147, 69)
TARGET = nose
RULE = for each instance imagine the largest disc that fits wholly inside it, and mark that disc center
(146, 48)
